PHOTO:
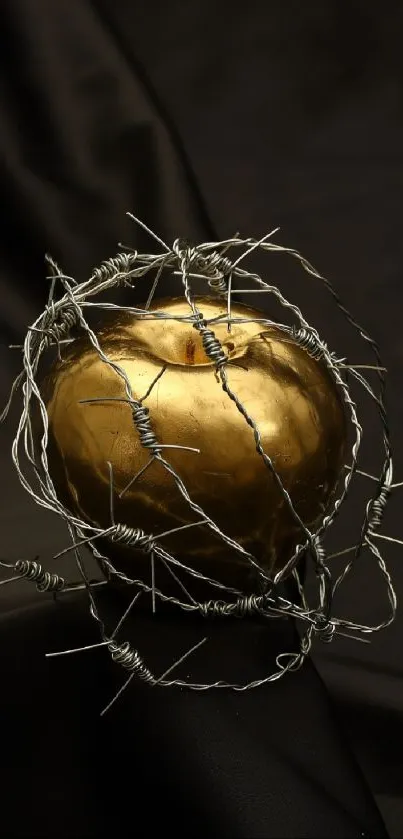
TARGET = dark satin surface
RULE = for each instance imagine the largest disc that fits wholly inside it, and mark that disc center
(267, 763)
(292, 117)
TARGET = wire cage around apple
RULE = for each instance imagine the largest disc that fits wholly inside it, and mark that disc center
(210, 264)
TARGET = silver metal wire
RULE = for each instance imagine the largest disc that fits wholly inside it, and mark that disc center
(33, 571)
(65, 313)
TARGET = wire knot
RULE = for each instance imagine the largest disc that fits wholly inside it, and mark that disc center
(183, 249)
(308, 341)
(377, 508)
(242, 607)
(215, 267)
(32, 570)
(142, 422)
(57, 324)
(133, 538)
(324, 628)
(116, 269)
(211, 345)
(130, 659)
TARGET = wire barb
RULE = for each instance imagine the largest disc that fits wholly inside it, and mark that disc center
(34, 572)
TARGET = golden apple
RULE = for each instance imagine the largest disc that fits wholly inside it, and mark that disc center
(291, 397)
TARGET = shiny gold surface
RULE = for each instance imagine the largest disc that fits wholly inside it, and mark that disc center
(290, 396)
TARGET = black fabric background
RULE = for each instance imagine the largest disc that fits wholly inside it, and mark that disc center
(204, 119)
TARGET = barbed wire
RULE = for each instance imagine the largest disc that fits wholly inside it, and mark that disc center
(64, 317)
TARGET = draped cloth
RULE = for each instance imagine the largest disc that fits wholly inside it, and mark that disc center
(202, 119)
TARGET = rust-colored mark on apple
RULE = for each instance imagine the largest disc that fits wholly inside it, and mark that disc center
(190, 351)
